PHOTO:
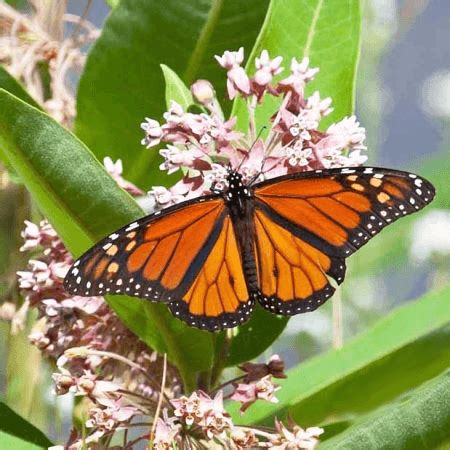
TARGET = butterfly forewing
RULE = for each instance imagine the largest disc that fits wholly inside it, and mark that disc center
(155, 257)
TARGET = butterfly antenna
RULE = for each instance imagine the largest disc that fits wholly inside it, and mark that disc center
(251, 147)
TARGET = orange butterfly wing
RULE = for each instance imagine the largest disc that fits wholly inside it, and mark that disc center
(218, 298)
(307, 224)
(186, 252)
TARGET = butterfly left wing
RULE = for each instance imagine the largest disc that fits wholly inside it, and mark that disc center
(186, 256)
(156, 257)
(308, 223)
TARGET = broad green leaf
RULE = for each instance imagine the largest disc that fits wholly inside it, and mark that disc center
(175, 89)
(122, 82)
(85, 204)
(18, 434)
(112, 3)
(327, 31)
(418, 420)
(398, 353)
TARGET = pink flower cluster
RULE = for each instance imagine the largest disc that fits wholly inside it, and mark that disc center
(202, 145)
(203, 416)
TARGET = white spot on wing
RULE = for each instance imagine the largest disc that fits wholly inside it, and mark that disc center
(132, 226)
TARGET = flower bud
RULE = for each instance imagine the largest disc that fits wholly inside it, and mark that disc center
(203, 92)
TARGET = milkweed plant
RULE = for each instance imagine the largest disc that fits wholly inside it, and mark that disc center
(126, 388)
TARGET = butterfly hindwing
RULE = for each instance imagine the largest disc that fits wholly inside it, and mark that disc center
(218, 297)
(328, 214)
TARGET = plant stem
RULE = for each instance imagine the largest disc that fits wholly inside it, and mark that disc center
(220, 359)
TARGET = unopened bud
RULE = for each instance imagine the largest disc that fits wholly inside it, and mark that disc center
(203, 92)
(7, 310)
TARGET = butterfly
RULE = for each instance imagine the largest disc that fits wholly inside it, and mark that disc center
(277, 243)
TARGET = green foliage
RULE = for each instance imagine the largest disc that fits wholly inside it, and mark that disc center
(122, 82)
(398, 353)
(418, 420)
(18, 434)
(176, 90)
(326, 31)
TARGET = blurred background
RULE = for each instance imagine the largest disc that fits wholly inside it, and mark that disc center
(403, 101)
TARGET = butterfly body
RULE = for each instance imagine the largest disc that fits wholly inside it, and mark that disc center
(278, 242)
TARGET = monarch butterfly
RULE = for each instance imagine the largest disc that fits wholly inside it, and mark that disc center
(276, 242)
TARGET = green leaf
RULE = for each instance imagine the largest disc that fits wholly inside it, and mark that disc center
(112, 3)
(418, 420)
(326, 31)
(255, 336)
(398, 353)
(122, 82)
(85, 204)
(10, 84)
(18, 434)
(175, 89)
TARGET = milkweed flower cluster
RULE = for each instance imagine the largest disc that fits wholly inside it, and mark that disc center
(202, 145)
(29, 41)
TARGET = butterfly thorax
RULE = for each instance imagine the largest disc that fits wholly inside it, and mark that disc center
(237, 193)
(239, 200)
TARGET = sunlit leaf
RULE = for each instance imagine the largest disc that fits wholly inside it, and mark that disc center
(18, 434)
(398, 353)
(418, 420)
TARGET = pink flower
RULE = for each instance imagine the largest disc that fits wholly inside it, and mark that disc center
(248, 393)
(267, 68)
(301, 74)
(166, 432)
(203, 92)
(255, 372)
(237, 80)
(35, 236)
(296, 438)
(176, 158)
(206, 412)
(348, 134)
(115, 169)
(243, 438)
(153, 132)
(193, 408)
(297, 155)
